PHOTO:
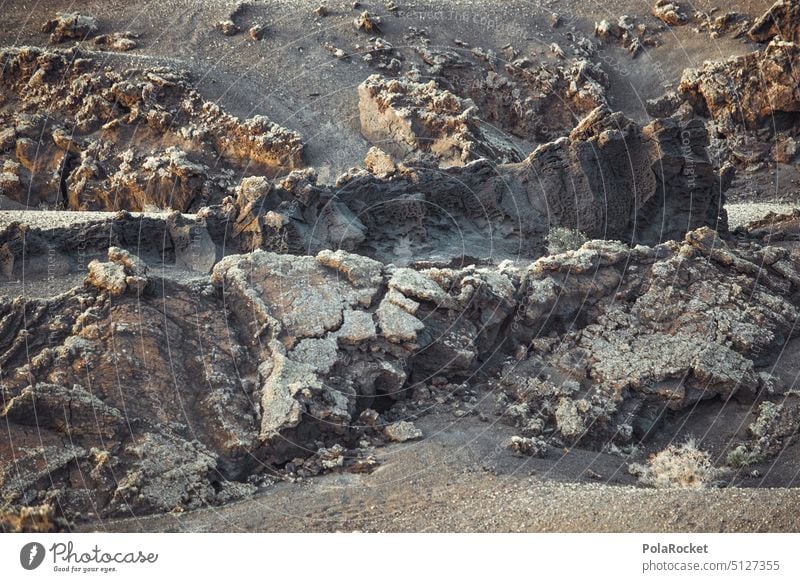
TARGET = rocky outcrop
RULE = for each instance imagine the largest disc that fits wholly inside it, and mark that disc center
(70, 25)
(354, 332)
(655, 328)
(188, 243)
(132, 140)
(151, 395)
(403, 117)
(38, 519)
(163, 414)
(670, 12)
(537, 102)
(773, 228)
(781, 20)
(610, 178)
(755, 91)
(367, 22)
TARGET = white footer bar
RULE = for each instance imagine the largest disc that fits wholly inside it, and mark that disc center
(407, 557)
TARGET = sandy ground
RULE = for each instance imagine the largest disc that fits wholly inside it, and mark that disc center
(741, 214)
(52, 219)
(458, 479)
(738, 214)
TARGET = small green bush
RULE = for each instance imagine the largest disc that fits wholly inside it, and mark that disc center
(741, 456)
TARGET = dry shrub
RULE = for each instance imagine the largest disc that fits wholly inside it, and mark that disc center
(678, 466)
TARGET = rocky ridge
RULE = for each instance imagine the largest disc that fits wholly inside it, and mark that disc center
(132, 140)
(582, 348)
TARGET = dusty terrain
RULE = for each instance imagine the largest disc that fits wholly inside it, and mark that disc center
(429, 266)
(458, 479)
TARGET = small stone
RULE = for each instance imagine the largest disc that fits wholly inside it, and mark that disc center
(257, 31)
(402, 431)
(368, 23)
(524, 446)
(227, 27)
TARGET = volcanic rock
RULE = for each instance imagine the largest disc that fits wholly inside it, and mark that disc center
(782, 20)
(756, 90)
(402, 117)
(70, 25)
(134, 141)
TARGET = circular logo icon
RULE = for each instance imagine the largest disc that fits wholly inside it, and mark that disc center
(31, 555)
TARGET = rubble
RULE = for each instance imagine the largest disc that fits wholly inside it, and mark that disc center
(655, 347)
(562, 178)
(524, 446)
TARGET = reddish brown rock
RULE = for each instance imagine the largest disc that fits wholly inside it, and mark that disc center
(750, 92)
(781, 20)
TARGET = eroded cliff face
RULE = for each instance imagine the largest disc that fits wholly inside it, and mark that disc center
(610, 178)
(755, 91)
(781, 20)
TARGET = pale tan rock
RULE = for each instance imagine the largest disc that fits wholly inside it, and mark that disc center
(109, 277)
(402, 431)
